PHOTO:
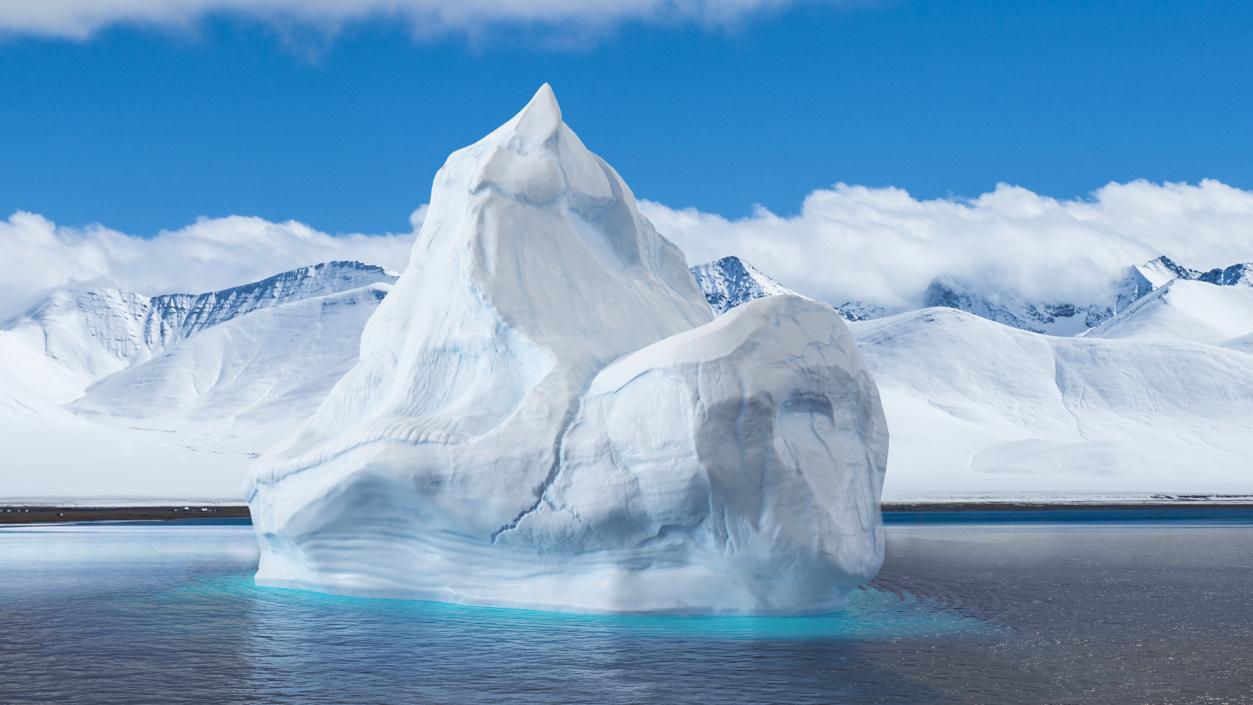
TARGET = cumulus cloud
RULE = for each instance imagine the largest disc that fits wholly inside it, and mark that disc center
(884, 246)
(879, 245)
(213, 253)
(79, 19)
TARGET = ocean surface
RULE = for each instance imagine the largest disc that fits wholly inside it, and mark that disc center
(991, 607)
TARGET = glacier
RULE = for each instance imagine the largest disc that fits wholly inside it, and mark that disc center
(546, 414)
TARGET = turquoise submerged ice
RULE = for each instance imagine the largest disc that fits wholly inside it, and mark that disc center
(545, 414)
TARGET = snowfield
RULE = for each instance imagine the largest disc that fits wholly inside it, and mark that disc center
(113, 394)
(980, 408)
(1185, 310)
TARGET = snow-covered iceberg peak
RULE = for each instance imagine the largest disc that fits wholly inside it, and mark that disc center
(533, 269)
(426, 468)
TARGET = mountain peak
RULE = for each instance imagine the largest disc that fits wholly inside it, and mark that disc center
(1160, 270)
(100, 331)
(505, 213)
(1235, 275)
(539, 120)
(731, 281)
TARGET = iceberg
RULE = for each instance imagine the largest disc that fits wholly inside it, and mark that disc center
(544, 413)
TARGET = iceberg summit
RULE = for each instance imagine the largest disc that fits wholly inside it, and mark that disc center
(546, 414)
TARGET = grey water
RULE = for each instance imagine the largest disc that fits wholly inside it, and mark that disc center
(1052, 607)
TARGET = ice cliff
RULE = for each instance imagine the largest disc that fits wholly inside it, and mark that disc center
(544, 414)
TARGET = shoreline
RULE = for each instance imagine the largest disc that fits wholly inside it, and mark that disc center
(1030, 505)
(53, 514)
(21, 513)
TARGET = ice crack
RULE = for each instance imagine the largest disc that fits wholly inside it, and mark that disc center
(541, 490)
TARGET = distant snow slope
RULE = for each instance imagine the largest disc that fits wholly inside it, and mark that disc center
(1244, 343)
(1185, 310)
(87, 334)
(976, 407)
(274, 364)
(112, 393)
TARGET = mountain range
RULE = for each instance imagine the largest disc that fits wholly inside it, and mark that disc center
(1074, 317)
(1148, 390)
(109, 392)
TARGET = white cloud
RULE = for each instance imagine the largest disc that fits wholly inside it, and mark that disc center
(38, 256)
(883, 245)
(79, 19)
(848, 242)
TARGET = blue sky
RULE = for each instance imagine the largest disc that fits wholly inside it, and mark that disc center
(145, 127)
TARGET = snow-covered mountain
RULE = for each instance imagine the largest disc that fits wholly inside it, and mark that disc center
(1157, 397)
(1149, 391)
(980, 408)
(119, 382)
(273, 364)
(113, 393)
(1194, 310)
(1157, 273)
(92, 334)
(1235, 275)
(730, 281)
(1075, 318)
(1051, 318)
(853, 311)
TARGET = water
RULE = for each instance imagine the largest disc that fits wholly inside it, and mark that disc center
(1124, 608)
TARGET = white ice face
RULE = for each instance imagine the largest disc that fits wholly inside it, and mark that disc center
(545, 414)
